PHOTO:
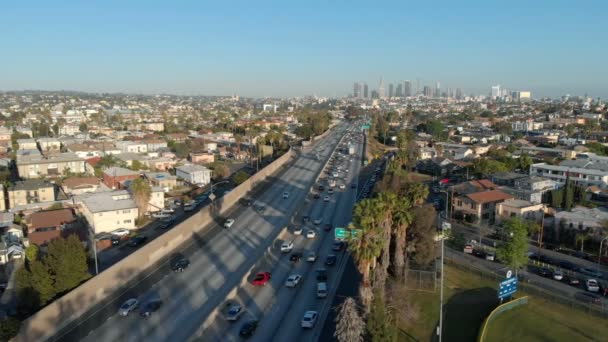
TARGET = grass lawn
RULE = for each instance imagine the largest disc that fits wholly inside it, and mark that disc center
(545, 321)
(469, 298)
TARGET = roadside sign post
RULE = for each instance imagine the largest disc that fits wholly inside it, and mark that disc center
(507, 287)
(341, 233)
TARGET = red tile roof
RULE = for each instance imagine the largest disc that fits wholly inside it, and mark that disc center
(51, 218)
(73, 182)
(489, 196)
(93, 161)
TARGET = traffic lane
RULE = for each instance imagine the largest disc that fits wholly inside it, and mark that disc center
(307, 298)
(274, 194)
(204, 265)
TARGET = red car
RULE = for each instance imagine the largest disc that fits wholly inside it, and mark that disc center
(261, 279)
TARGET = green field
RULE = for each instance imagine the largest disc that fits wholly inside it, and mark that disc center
(545, 321)
(469, 298)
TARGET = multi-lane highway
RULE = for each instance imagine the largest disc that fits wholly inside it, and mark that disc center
(224, 257)
(277, 308)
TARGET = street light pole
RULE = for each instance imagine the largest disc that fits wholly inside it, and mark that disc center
(447, 217)
(599, 255)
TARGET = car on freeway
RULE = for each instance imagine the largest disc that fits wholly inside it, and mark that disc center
(330, 191)
(353, 186)
(293, 280)
(305, 218)
(295, 256)
(260, 209)
(311, 234)
(321, 274)
(128, 306)
(327, 227)
(592, 285)
(330, 260)
(137, 241)
(248, 329)
(298, 230)
(342, 186)
(311, 257)
(337, 246)
(321, 188)
(544, 272)
(179, 264)
(286, 246)
(285, 195)
(228, 223)
(326, 199)
(234, 312)
(316, 196)
(318, 221)
(246, 202)
(558, 275)
(150, 307)
(590, 272)
(121, 232)
(261, 279)
(310, 319)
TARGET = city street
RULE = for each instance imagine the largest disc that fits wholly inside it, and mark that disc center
(218, 264)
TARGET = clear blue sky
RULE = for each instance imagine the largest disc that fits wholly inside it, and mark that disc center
(291, 48)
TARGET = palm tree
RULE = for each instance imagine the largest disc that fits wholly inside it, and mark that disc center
(417, 193)
(386, 203)
(581, 237)
(402, 218)
(141, 194)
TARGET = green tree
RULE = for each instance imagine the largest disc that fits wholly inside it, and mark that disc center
(221, 171)
(239, 177)
(83, 127)
(421, 235)
(31, 253)
(136, 165)
(142, 192)
(568, 194)
(9, 327)
(524, 162)
(514, 251)
(379, 327)
(42, 282)
(66, 260)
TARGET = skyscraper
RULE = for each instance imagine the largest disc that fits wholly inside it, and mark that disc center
(427, 91)
(381, 92)
(407, 88)
(458, 94)
(356, 89)
(495, 93)
(365, 91)
(437, 89)
(391, 90)
(399, 90)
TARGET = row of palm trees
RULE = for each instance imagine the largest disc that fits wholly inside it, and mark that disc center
(384, 221)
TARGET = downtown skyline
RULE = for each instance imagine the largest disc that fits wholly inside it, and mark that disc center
(279, 50)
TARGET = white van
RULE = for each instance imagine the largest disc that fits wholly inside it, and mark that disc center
(321, 290)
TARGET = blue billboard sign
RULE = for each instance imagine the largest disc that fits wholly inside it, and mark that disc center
(507, 287)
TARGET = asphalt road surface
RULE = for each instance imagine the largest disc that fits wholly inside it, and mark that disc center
(219, 264)
(279, 309)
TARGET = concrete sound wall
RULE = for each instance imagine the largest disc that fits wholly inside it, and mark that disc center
(56, 316)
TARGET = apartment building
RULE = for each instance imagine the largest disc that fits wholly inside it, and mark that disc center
(109, 210)
(39, 166)
(584, 173)
(194, 174)
(519, 208)
(30, 191)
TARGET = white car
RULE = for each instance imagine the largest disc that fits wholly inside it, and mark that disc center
(318, 221)
(128, 306)
(234, 312)
(287, 246)
(297, 231)
(121, 232)
(326, 199)
(311, 257)
(285, 195)
(311, 234)
(558, 275)
(335, 174)
(229, 222)
(342, 186)
(168, 210)
(160, 214)
(310, 319)
(293, 280)
(592, 285)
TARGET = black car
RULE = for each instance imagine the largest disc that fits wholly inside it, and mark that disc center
(353, 186)
(168, 222)
(305, 218)
(248, 328)
(148, 308)
(330, 260)
(567, 265)
(137, 241)
(316, 196)
(295, 256)
(246, 202)
(321, 188)
(337, 246)
(321, 274)
(260, 208)
(179, 264)
(545, 272)
(115, 240)
(327, 227)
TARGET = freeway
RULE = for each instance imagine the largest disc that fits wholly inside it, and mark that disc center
(279, 309)
(220, 262)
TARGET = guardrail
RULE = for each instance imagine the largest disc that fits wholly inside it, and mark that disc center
(497, 311)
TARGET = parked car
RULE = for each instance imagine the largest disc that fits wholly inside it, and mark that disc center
(160, 215)
(248, 329)
(285, 195)
(246, 202)
(150, 307)
(558, 275)
(137, 240)
(326, 199)
(310, 319)
(287, 246)
(316, 196)
(260, 209)
(305, 218)
(261, 279)
(592, 285)
(128, 306)
(121, 232)
(234, 312)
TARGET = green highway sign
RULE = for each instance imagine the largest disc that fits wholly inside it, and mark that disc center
(341, 233)
(365, 127)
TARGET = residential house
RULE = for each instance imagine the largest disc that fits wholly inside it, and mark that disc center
(80, 185)
(480, 206)
(5, 139)
(194, 174)
(2, 199)
(109, 210)
(129, 158)
(154, 145)
(531, 188)
(45, 226)
(161, 179)
(438, 166)
(581, 172)
(202, 157)
(506, 178)
(69, 130)
(132, 146)
(49, 144)
(177, 137)
(161, 163)
(30, 191)
(519, 208)
(38, 166)
(11, 244)
(114, 176)
(157, 199)
(27, 144)
(580, 218)
(158, 126)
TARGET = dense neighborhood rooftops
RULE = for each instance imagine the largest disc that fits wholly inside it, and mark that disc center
(192, 168)
(119, 172)
(517, 203)
(489, 196)
(74, 182)
(51, 218)
(30, 184)
(55, 158)
(109, 201)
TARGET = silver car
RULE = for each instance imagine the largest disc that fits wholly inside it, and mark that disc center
(128, 306)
